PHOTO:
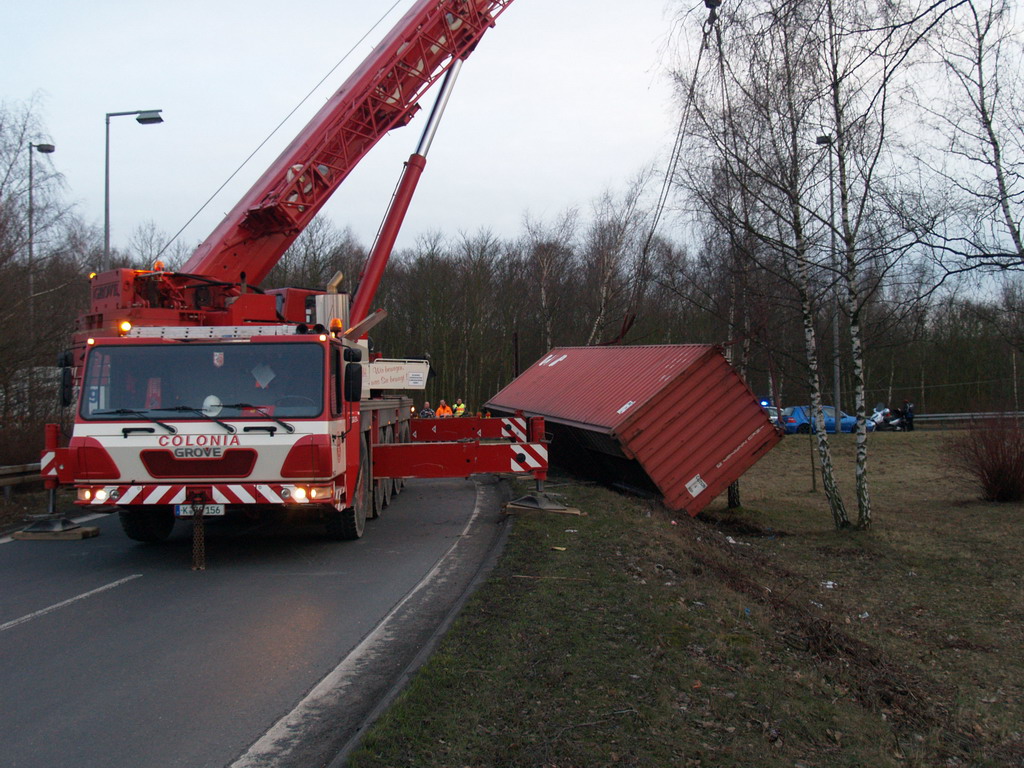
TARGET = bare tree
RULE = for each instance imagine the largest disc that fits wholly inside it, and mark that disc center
(751, 118)
(979, 135)
(614, 256)
(148, 245)
(551, 256)
(864, 49)
(789, 77)
(42, 287)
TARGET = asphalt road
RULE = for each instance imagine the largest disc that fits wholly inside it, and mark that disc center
(114, 653)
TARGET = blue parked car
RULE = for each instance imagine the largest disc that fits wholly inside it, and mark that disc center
(797, 419)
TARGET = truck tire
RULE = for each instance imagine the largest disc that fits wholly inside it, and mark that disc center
(348, 524)
(390, 490)
(403, 436)
(383, 488)
(149, 524)
(376, 499)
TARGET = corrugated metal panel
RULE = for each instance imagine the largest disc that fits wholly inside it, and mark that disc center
(675, 419)
(598, 386)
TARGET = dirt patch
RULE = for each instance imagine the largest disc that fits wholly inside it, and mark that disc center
(724, 521)
(910, 700)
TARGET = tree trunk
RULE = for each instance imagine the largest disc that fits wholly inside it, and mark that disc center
(734, 495)
(828, 481)
(863, 494)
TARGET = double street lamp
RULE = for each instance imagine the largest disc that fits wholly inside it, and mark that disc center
(143, 117)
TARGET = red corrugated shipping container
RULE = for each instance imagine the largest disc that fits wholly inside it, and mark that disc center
(675, 420)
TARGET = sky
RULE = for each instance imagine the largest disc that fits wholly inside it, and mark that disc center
(562, 100)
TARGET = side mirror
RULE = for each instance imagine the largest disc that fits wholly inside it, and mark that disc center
(67, 387)
(353, 382)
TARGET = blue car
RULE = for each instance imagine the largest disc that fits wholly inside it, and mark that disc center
(797, 419)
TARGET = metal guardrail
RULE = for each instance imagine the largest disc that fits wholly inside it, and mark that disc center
(16, 474)
(980, 416)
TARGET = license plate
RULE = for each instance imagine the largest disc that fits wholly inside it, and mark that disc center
(209, 510)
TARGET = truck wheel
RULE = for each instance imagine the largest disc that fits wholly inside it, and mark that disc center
(377, 505)
(348, 524)
(389, 482)
(149, 525)
(377, 493)
(403, 437)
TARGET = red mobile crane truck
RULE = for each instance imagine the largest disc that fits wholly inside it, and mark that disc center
(198, 394)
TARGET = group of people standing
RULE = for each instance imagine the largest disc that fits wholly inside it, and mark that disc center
(443, 410)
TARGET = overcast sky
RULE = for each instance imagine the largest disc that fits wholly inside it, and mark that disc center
(562, 100)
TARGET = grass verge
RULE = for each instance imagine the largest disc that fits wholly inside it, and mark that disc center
(760, 637)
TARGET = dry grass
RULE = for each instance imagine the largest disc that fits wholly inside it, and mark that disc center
(761, 637)
(934, 588)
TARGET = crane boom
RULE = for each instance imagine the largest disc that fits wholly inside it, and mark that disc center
(382, 94)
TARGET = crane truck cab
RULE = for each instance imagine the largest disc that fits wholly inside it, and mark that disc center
(241, 418)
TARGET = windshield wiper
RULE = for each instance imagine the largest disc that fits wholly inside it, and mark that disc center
(198, 411)
(256, 408)
(133, 412)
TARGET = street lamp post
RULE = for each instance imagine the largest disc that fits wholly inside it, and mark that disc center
(143, 117)
(45, 149)
(826, 141)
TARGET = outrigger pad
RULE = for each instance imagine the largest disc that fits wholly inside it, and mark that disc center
(51, 523)
(69, 534)
(538, 501)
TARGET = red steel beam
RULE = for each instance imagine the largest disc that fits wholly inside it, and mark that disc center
(380, 95)
(466, 428)
(459, 459)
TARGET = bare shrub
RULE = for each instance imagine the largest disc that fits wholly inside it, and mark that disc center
(993, 452)
(21, 441)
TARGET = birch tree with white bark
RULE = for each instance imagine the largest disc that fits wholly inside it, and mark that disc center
(752, 123)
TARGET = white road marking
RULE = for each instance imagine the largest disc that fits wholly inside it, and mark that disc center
(69, 601)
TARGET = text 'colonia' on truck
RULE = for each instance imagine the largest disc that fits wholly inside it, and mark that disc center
(199, 393)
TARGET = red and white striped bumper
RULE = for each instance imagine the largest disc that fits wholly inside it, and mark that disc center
(178, 493)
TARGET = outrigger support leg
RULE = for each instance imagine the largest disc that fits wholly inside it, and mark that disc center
(53, 522)
(538, 500)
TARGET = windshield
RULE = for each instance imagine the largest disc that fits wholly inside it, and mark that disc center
(204, 381)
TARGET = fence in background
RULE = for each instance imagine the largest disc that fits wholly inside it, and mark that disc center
(953, 420)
